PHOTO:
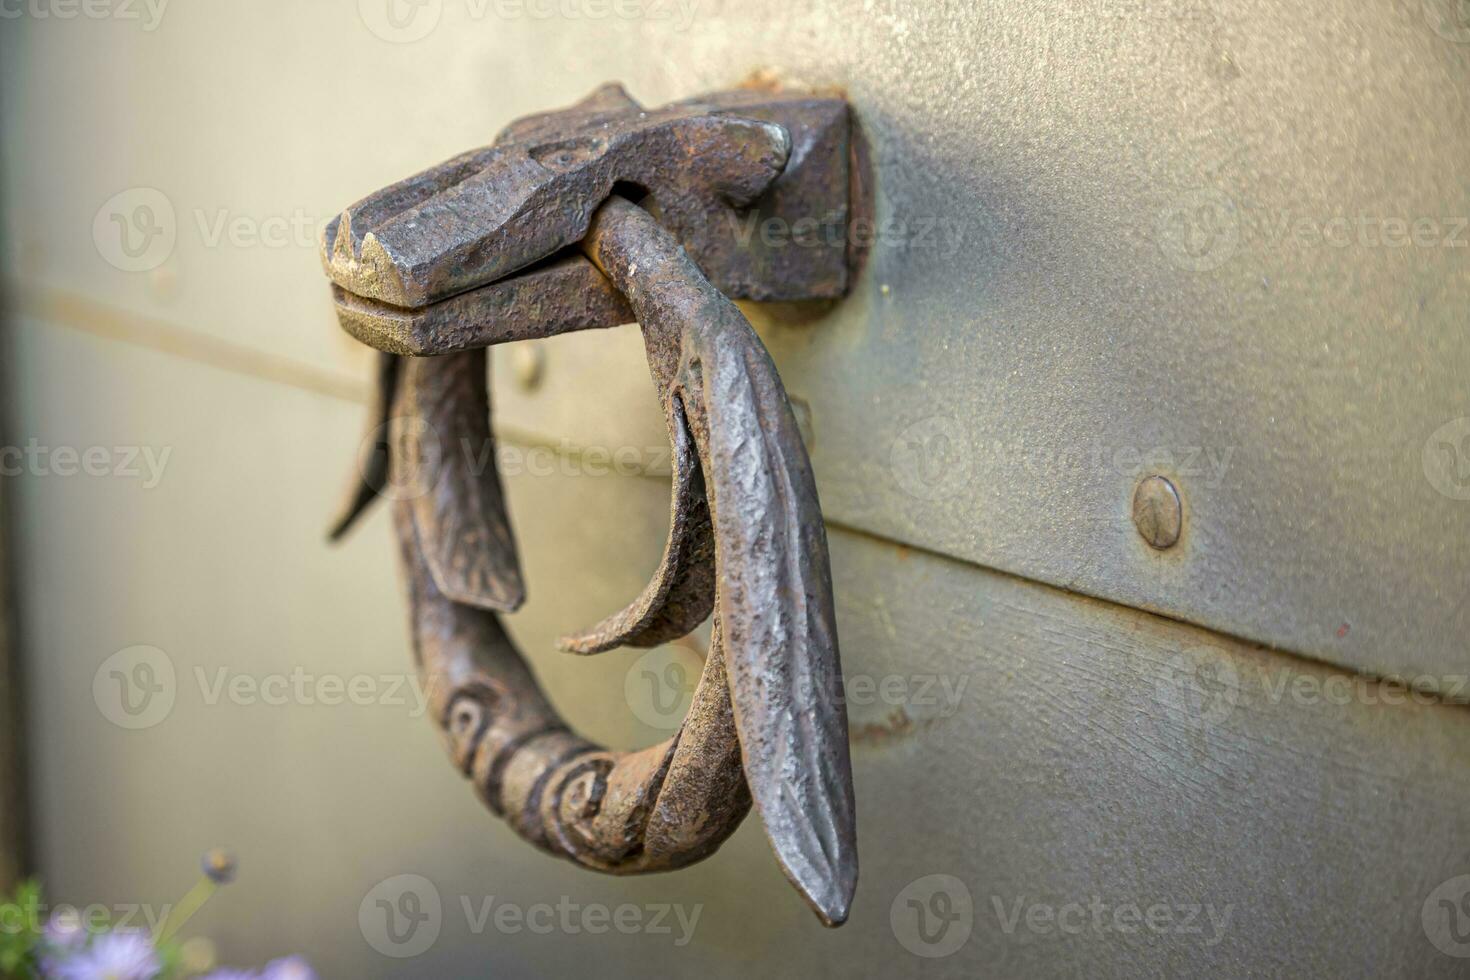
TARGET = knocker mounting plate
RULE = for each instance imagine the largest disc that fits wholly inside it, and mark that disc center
(503, 222)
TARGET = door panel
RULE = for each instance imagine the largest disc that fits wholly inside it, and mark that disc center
(1052, 754)
(1218, 241)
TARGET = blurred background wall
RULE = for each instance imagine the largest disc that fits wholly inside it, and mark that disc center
(1036, 748)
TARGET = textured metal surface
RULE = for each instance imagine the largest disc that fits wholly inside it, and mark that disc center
(622, 812)
(1055, 136)
(1045, 749)
(564, 296)
(773, 581)
(438, 262)
(488, 213)
(701, 165)
(1027, 157)
(1105, 256)
(746, 541)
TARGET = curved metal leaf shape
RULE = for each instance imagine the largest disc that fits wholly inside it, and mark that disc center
(775, 591)
(447, 473)
(372, 464)
(780, 625)
(682, 591)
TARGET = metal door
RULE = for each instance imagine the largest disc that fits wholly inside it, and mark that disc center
(1220, 242)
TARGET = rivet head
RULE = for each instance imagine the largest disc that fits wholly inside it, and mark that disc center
(1157, 512)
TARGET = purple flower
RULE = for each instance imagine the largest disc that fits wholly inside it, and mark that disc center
(63, 935)
(288, 968)
(64, 931)
(112, 956)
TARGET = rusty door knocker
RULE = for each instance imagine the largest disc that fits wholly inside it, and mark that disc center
(590, 217)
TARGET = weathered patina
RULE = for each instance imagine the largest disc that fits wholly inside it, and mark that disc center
(538, 235)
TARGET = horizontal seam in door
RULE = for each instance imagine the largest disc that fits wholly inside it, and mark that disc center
(89, 316)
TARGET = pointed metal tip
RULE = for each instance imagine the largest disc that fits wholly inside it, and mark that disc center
(342, 241)
(834, 917)
(830, 899)
(361, 499)
(578, 643)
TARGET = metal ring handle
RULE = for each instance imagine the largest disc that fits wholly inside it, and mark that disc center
(746, 543)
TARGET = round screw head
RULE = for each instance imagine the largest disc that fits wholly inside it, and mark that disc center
(1157, 512)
